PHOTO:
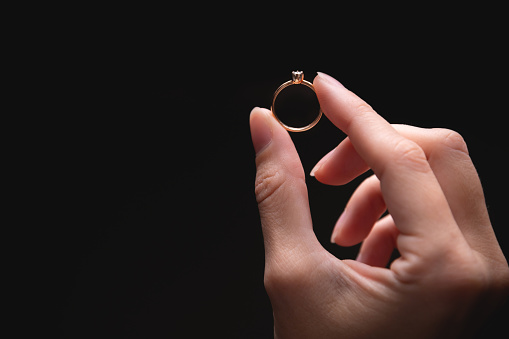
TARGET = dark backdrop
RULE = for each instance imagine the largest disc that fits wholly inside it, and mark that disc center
(153, 225)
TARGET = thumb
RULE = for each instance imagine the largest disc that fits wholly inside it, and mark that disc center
(280, 190)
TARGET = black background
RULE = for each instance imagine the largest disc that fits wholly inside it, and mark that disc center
(142, 176)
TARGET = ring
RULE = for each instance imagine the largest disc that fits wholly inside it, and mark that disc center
(297, 79)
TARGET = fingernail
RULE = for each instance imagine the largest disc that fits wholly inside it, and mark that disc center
(337, 228)
(317, 166)
(261, 131)
(320, 163)
(329, 79)
(334, 235)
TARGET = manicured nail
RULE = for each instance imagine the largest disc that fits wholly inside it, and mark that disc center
(329, 79)
(334, 235)
(261, 131)
(337, 228)
(320, 163)
(312, 173)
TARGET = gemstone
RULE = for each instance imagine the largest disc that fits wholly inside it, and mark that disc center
(297, 77)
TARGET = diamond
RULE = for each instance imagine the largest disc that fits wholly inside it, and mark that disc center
(297, 77)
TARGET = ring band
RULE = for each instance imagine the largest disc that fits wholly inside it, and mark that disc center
(297, 79)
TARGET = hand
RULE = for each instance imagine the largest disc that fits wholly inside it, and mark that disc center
(451, 272)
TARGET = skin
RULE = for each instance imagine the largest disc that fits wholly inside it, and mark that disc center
(451, 273)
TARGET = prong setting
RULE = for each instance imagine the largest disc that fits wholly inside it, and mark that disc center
(297, 77)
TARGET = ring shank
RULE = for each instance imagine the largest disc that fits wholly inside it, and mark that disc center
(290, 128)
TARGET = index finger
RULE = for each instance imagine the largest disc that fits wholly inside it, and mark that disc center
(409, 187)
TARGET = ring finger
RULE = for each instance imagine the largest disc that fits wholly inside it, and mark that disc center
(448, 157)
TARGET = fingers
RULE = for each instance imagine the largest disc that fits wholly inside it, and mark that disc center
(377, 248)
(340, 166)
(362, 211)
(410, 189)
(360, 222)
(448, 157)
(280, 190)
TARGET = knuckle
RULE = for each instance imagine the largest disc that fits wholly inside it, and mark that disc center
(267, 183)
(363, 107)
(362, 110)
(451, 140)
(408, 153)
(275, 182)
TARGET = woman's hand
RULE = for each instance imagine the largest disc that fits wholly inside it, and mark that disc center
(451, 272)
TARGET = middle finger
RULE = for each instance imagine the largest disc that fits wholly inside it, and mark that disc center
(448, 157)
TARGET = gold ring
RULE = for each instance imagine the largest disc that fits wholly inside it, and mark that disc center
(297, 79)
